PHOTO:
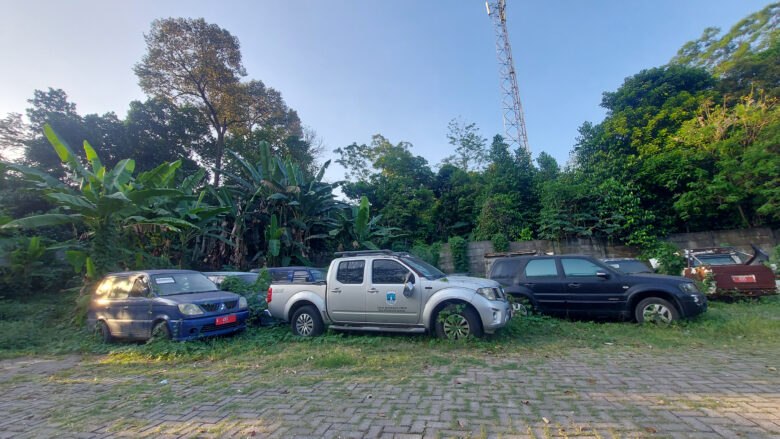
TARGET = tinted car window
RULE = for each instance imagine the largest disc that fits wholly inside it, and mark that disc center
(104, 289)
(279, 275)
(120, 288)
(350, 272)
(580, 268)
(140, 288)
(541, 268)
(384, 271)
(505, 268)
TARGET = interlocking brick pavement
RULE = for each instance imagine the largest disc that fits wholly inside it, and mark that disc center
(691, 394)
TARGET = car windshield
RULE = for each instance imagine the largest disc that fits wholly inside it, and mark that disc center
(630, 267)
(318, 275)
(182, 283)
(427, 270)
(716, 260)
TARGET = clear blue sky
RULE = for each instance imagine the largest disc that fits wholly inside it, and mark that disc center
(356, 68)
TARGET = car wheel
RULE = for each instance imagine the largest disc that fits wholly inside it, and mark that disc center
(522, 306)
(656, 310)
(161, 331)
(458, 321)
(306, 322)
(102, 330)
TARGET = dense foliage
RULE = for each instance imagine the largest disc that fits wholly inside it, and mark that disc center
(215, 171)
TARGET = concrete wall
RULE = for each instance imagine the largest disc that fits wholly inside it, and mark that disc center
(764, 238)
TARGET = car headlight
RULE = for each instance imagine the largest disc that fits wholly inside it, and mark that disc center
(242, 302)
(190, 309)
(689, 287)
(487, 293)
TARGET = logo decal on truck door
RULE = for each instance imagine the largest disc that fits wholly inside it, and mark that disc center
(390, 298)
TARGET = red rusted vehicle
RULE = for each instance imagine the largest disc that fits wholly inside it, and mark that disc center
(730, 273)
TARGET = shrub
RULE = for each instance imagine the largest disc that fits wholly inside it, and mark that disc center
(460, 255)
(669, 257)
(500, 243)
(255, 293)
(428, 253)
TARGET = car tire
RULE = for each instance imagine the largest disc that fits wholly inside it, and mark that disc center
(457, 321)
(103, 331)
(656, 310)
(306, 322)
(161, 331)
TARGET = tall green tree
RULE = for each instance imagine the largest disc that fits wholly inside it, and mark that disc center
(191, 62)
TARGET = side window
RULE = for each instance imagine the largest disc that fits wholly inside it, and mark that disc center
(541, 268)
(121, 288)
(105, 287)
(140, 287)
(301, 276)
(279, 275)
(385, 271)
(580, 268)
(350, 272)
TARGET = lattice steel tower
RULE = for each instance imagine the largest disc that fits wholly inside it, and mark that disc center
(514, 124)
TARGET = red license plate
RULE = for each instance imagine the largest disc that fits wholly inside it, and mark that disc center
(745, 278)
(226, 319)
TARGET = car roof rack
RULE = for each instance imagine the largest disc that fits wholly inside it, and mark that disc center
(364, 253)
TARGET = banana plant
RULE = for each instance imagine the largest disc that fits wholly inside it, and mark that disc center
(356, 230)
(103, 201)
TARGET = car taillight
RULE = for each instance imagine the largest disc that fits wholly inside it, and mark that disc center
(270, 293)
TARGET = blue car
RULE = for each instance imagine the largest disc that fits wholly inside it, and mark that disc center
(295, 274)
(175, 304)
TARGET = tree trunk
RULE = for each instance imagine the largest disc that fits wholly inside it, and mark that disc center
(220, 152)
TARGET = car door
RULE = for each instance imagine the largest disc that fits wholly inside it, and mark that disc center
(591, 294)
(139, 307)
(385, 300)
(346, 301)
(541, 276)
(118, 316)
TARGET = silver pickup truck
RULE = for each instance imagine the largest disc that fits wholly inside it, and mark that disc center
(390, 291)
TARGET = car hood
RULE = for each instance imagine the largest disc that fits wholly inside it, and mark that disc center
(472, 283)
(206, 297)
(639, 277)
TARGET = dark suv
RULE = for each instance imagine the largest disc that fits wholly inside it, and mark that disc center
(176, 304)
(582, 285)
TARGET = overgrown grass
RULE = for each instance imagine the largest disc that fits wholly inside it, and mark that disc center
(43, 327)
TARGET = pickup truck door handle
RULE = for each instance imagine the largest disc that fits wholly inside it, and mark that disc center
(373, 290)
(574, 285)
(335, 290)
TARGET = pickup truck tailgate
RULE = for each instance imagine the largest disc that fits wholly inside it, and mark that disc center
(281, 293)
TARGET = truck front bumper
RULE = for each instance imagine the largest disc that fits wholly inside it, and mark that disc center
(495, 316)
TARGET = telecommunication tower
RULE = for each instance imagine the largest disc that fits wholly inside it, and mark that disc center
(514, 124)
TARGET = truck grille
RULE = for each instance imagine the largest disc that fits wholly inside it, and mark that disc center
(209, 307)
(231, 304)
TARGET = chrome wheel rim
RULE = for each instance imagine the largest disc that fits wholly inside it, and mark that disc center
(657, 313)
(456, 327)
(304, 324)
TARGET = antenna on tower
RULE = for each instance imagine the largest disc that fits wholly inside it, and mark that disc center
(514, 124)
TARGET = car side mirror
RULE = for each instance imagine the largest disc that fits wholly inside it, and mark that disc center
(602, 275)
(408, 289)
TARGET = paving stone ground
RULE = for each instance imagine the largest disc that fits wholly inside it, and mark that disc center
(690, 394)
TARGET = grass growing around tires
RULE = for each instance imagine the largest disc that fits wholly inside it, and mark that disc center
(42, 327)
